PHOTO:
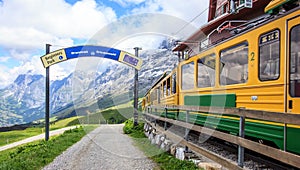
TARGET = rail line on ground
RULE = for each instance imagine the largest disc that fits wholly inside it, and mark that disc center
(286, 158)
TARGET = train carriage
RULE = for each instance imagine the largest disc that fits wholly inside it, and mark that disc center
(257, 69)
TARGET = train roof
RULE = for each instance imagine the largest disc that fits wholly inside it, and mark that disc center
(158, 80)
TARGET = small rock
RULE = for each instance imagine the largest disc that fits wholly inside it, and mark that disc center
(173, 149)
(180, 153)
(150, 137)
(162, 138)
(209, 166)
(167, 145)
(195, 161)
(157, 139)
(162, 146)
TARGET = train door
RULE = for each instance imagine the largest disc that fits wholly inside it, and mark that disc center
(175, 88)
(158, 94)
(293, 69)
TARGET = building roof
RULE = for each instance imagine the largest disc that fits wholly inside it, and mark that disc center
(212, 24)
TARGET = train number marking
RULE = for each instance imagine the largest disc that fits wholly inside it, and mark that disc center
(252, 56)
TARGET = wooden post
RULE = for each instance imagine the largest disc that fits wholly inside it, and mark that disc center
(284, 137)
(241, 150)
(155, 110)
(166, 112)
(187, 117)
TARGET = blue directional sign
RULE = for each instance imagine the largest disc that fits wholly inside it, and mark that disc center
(91, 51)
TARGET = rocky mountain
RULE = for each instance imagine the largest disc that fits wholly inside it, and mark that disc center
(23, 100)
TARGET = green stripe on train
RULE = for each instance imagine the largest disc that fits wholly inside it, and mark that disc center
(219, 100)
(266, 132)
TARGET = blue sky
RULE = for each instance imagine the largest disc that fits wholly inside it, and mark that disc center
(120, 7)
(27, 25)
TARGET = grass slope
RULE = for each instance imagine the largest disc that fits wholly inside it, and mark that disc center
(110, 116)
(17, 135)
(38, 154)
(63, 123)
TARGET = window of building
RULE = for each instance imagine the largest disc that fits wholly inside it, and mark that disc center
(234, 65)
(241, 2)
(222, 8)
(269, 56)
(206, 71)
(295, 62)
(187, 76)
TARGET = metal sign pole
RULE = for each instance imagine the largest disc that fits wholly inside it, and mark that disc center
(83, 51)
(135, 102)
(47, 99)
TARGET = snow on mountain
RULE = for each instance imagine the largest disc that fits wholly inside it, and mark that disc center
(23, 100)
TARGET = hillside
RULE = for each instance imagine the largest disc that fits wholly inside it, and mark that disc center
(23, 100)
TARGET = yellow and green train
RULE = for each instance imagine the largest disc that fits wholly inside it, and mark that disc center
(257, 69)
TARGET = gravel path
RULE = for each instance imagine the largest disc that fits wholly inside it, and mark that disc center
(104, 148)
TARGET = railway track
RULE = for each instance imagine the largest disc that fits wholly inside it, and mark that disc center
(253, 160)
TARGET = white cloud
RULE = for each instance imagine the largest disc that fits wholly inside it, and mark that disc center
(20, 55)
(62, 70)
(4, 59)
(177, 8)
(125, 3)
(4, 77)
(8, 75)
(34, 66)
(127, 44)
(141, 27)
(27, 24)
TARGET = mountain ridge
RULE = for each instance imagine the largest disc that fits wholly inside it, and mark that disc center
(23, 100)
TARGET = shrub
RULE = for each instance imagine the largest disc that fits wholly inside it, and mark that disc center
(128, 127)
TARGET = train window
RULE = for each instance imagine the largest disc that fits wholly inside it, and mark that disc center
(153, 95)
(158, 94)
(174, 83)
(206, 71)
(187, 76)
(234, 65)
(269, 56)
(165, 89)
(295, 62)
(169, 86)
(162, 91)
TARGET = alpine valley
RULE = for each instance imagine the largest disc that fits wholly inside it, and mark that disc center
(23, 101)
